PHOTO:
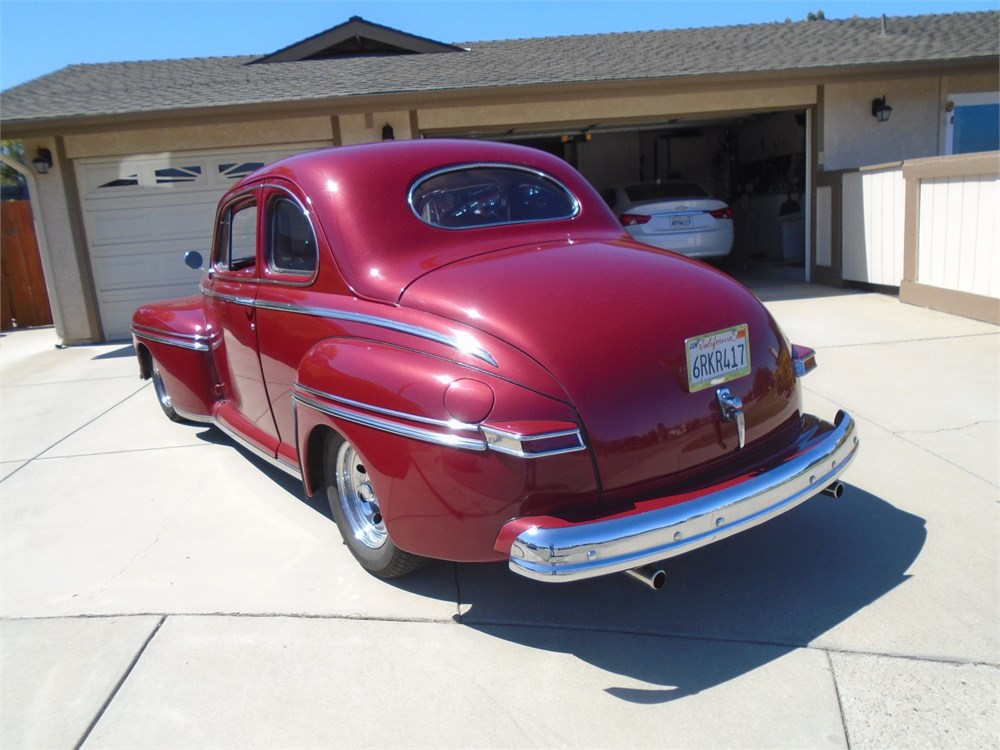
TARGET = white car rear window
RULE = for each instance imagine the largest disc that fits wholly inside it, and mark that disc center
(664, 191)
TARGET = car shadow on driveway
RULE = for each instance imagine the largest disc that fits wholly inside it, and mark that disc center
(727, 609)
(127, 351)
(291, 485)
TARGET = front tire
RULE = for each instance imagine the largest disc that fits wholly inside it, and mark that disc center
(355, 508)
(162, 397)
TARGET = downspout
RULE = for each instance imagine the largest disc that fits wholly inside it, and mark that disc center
(43, 245)
(807, 195)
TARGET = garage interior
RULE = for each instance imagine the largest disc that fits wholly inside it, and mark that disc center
(755, 162)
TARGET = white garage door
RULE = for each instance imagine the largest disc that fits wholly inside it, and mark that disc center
(142, 213)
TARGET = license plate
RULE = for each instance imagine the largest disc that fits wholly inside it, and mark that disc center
(717, 357)
(680, 221)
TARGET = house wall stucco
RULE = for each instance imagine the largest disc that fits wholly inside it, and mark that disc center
(70, 285)
(853, 138)
(367, 127)
(125, 142)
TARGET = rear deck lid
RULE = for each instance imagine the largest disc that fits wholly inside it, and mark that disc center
(613, 322)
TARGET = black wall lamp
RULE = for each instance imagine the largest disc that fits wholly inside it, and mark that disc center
(387, 133)
(43, 162)
(881, 110)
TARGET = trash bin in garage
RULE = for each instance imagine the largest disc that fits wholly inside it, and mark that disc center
(793, 237)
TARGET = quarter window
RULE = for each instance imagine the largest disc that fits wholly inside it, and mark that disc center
(292, 242)
(481, 196)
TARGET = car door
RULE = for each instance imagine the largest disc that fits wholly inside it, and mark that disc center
(231, 289)
(294, 291)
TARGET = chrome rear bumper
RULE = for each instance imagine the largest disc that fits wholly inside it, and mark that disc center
(557, 551)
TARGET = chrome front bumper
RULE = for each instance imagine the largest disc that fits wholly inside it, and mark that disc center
(556, 551)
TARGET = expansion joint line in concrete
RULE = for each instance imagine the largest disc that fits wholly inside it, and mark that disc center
(840, 703)
(114, 693)
(70, 434)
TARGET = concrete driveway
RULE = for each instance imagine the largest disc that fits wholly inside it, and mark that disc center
(162, 589)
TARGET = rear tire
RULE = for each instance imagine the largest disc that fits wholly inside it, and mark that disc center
(355, 508)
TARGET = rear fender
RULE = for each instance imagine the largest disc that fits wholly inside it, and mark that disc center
(415, 419)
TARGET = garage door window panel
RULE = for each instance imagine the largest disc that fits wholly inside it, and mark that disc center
(238, 170)
(178, 175)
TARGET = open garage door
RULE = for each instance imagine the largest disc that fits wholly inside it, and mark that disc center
(757, 162)
(142, 213)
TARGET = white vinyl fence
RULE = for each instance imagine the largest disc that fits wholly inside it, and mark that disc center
(959, 234)
(928, 226)
(873, 220)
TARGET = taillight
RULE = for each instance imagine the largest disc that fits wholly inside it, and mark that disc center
(631, 220)
(722, 213)
(533, 439)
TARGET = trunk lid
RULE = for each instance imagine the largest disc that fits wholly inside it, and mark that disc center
(609, 321)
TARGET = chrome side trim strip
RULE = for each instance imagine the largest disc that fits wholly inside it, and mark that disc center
(236, 300)
(194, 342)
(385, 425)
(448, 424)
(465, 344)
(276, 462)
(200, 418)
(493, 438)
(587, 550)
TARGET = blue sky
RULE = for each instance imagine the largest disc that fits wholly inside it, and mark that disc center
(41, 36)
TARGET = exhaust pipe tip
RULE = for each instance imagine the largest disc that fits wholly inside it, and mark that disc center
(647, 574)
(834, 490)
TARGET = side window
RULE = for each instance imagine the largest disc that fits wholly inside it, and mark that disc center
(243, 243)
(291, 240)
(237, 237)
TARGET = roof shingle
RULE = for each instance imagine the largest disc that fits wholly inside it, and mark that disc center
(154, 86)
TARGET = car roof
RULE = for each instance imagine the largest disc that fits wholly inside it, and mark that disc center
(360, 194)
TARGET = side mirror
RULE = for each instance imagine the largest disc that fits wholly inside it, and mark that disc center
(193, 259)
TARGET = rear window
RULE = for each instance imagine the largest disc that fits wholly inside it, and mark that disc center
(664, 191)
(490, 195)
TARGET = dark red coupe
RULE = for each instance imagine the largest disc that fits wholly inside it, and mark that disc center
(458, 343)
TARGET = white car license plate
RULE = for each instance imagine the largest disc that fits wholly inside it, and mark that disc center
(679, 222)
(717, 357)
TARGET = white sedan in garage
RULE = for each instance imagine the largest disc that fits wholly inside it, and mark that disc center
(674, 215)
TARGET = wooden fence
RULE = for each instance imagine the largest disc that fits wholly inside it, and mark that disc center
(24, 301)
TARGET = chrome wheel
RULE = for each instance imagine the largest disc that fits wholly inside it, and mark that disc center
(358, 500)
(161, 390)
(162, 397)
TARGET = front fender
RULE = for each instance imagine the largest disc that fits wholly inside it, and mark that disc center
(176, 335)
